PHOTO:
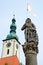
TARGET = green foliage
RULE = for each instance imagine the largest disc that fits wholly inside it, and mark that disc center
(21, 64)
(6, 64)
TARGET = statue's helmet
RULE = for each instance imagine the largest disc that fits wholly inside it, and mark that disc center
(28, 20)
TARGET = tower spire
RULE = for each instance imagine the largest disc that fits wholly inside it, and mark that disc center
(13, 28)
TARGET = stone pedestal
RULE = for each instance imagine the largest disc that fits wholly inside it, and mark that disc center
(30, 51)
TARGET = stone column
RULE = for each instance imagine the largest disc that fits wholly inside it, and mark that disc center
(30, 52)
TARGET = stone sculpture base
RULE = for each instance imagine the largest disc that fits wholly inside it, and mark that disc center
(30, 54)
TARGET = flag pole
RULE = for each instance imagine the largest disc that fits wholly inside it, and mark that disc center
(27, 7)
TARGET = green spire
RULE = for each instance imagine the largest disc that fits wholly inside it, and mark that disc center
(13, 26)
(12, 33)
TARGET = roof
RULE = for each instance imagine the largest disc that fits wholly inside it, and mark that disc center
(12, 60)
(10, 39)
(12, 33)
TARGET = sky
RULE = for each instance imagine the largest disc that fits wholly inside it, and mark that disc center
(8, 8)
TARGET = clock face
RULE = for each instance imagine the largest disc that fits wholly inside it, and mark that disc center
(8, 44)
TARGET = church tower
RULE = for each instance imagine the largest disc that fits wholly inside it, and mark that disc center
(10, 50)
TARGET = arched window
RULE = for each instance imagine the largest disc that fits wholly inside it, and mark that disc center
(8, 51)
(17, 46)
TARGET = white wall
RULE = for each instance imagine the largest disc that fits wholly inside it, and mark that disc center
(12, 48)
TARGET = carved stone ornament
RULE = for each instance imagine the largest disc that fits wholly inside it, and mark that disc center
(29, 48)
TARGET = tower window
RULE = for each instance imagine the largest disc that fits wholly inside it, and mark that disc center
(8, 51)
(17, 46)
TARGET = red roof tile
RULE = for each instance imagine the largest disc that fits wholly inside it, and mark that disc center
(12, 60)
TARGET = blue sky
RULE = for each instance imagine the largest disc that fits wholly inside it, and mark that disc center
(18, 7)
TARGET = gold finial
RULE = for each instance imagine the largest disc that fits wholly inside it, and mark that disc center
(14, 16)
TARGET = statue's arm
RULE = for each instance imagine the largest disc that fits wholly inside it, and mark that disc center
(23, 27)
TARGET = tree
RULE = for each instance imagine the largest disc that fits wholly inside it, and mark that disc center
(6, 64)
